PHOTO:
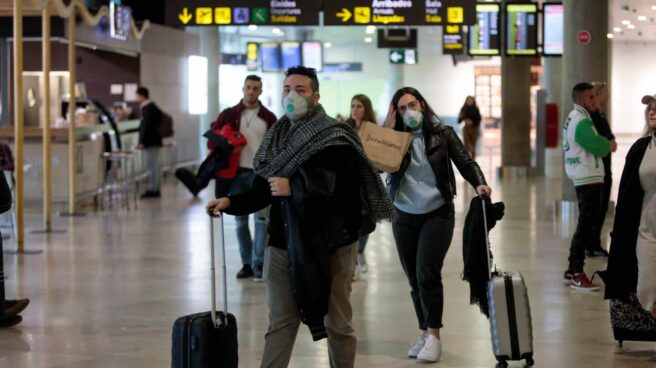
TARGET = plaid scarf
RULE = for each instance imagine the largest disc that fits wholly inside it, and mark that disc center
(287, 145)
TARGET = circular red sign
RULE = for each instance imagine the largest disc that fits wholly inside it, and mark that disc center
(584, 37)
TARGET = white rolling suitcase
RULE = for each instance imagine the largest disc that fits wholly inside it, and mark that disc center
(510, 313)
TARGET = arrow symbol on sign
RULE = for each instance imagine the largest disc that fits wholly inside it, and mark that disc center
(185, 16)
(345, 15)
(395, 57)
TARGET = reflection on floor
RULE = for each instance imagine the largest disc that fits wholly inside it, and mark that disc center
(106, 293)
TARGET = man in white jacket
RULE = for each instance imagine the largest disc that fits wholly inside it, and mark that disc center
(584, 149)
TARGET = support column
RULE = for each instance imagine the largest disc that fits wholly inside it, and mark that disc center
(583, 63)
(47, 152)
(72, 102)
(209, 47)
(5, 77)
(18, 124)
(552, 82)
(516, 116)
(395, 80)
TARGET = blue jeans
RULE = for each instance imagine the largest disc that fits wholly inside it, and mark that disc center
(252, 252)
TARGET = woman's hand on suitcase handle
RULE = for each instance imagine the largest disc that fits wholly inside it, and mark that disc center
(484, 191)
(215, 206)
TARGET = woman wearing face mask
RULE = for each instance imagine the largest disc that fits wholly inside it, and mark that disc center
(422, 192)
(361, 112)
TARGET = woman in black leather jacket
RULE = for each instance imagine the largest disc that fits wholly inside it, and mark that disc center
(422, 192)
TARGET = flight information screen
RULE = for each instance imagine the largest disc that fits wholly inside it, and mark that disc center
(521, 29)
(291, 54)
(553, 29)
(484, 36)
(270, 52)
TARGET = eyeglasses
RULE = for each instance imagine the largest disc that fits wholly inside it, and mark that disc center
(414, 105)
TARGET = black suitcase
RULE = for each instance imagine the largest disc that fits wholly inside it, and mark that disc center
(209, 339)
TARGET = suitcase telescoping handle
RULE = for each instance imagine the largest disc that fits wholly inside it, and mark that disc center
(487, 239)
(213, 216)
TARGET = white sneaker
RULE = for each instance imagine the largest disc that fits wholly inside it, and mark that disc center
(419, 344)
(362, 263)
(431, 351)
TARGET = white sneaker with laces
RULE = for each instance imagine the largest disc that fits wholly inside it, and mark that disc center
(419, 344)
(431, 351)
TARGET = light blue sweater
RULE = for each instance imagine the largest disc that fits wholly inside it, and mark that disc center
(418, 193)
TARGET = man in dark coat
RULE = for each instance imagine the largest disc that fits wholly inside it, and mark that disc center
(150, 140)
(315, 175)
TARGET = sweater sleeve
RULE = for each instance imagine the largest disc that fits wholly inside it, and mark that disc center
(251, 201)
(592, 142)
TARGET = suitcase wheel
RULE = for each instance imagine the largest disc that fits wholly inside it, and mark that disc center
(530, 362)
(502, 364)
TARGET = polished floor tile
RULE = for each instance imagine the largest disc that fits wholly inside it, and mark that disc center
(106, 293)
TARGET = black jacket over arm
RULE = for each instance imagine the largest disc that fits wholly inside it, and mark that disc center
(621, 277)
(323, 214)
(151, 118)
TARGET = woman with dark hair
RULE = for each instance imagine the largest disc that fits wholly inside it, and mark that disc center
(361, 112)
(470, 114)
(422, 192)
(631, 274)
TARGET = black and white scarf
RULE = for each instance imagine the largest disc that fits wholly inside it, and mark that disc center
(287, 145)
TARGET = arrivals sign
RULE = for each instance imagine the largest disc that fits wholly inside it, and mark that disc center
(242, 12)
(399, 12)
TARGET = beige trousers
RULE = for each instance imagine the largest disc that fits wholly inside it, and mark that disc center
(284, 319)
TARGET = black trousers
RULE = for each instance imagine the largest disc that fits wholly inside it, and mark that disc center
(589, 197)
(422, 242)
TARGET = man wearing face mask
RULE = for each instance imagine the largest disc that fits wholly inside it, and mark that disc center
(422, 192)
(315, 175)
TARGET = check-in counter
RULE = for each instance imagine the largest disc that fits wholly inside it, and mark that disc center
(90, 165)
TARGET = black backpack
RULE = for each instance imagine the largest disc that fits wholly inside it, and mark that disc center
(166, 126)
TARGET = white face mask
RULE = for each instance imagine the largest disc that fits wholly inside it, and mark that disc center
(294, 105)
(412, 119)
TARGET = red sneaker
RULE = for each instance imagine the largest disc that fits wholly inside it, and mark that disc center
(581, 282)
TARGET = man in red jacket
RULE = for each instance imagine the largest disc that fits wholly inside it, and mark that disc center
(252, 120)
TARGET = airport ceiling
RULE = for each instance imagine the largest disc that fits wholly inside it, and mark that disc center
(630, 20)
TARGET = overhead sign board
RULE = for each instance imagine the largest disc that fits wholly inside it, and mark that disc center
(452, 40)
(399, 12)
(180, 13)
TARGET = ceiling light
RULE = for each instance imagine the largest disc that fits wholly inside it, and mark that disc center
(617, 29)
(368, 40)
(642, 18)
(653, 7)
(371, 29)
(626, 22)
(630, 26)
(252, 27)
(610, 36)
(327, 45)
